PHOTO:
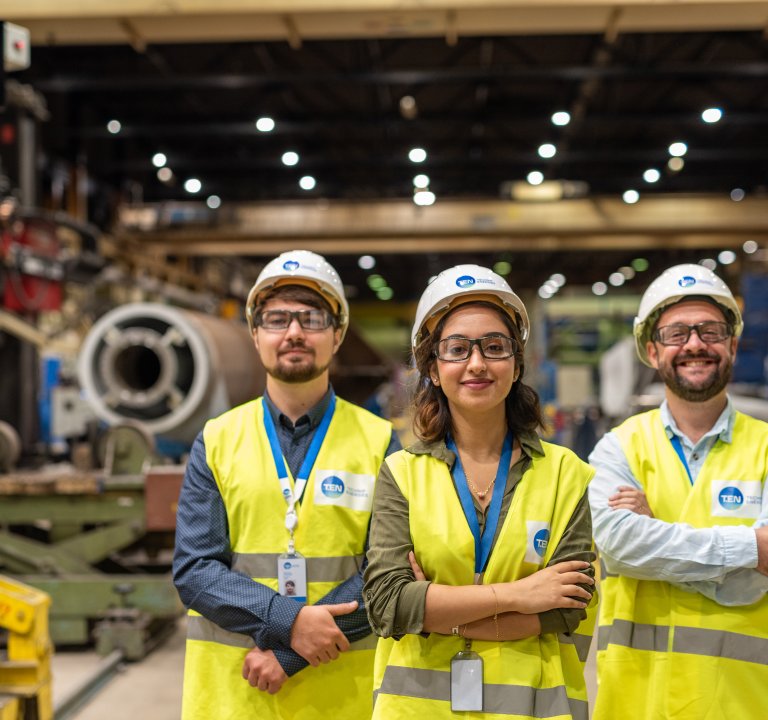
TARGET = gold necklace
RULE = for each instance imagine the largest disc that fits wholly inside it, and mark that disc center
(480, 493)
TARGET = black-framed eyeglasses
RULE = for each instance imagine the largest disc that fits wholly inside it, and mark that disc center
(311, 320)
(710, 331)
(458, 348)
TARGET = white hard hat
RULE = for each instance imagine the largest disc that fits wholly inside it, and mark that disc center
(301, 267)
(462, 284)
(679, 283)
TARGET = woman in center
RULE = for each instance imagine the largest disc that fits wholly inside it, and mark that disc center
(479, 577)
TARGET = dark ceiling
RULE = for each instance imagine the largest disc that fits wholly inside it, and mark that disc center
(484, 106)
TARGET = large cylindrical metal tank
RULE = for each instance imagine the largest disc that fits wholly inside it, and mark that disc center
(168, 368)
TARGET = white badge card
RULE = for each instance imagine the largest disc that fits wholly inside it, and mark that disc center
(292, 576)
(466, 681)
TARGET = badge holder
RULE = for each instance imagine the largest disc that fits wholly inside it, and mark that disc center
(292, 566)
(466, 680)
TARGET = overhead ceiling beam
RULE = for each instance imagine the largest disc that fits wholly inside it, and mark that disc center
(401, 227)
(94, 21)
(413, 77)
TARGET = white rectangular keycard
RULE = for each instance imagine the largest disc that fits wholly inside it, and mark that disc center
(466, 681)
(292, 576)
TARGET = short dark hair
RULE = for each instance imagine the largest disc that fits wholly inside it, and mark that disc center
(432, 417)
(295, 293)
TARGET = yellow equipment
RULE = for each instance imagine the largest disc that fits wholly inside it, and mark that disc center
(25, 670)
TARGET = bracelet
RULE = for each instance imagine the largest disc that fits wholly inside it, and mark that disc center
(495, 611)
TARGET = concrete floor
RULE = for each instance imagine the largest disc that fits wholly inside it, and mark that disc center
(151, 689)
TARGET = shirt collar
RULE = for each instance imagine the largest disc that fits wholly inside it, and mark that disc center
(313, 416)
(723, 427)
(530, 444)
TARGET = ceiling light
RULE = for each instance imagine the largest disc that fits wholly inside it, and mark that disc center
(640, 264)
(376, 282)
(417, 155)
(366, 262)
(678, 149)
(627, 272)
(675, 164)
(561, 118)
(630, 197)
(307, 182)
(709, 263)
(737, 194)
(502, 267)
(290, 158)
(558, 279)
(424, 197)
(599, 288)
(114, 126)
(193, 185)
(213, 202)
(545, 293)
(421, 181)
(726, 257)
(749, 247)
(159, 160)
(651, 175)
(265, 124)
(553, 287)
(385, 293)
(712, 115)
(616, 279)
(408, 107)
(535, 177)
(547, 150)
(164, 174)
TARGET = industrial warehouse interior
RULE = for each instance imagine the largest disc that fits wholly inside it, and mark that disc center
(154, 157)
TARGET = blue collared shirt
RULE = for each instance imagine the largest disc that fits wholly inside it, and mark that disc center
(717, 562)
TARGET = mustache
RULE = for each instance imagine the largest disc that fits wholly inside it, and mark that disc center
(294, 344)
(703, 355)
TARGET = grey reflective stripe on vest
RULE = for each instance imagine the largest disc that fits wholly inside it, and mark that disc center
(639, 636)
(199, 628)
(499, 699)
(687, 640)
(721, 644)
(582, 643)
(319, 569)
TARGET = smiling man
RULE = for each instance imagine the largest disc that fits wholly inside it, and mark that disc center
(273, 519)
(680, 517)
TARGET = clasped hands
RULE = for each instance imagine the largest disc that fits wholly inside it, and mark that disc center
(314, 635)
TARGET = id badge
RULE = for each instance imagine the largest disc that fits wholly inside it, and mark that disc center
(292, 576)
(466, 681)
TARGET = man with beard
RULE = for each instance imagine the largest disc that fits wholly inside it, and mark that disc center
(680, 517)
(273, 518)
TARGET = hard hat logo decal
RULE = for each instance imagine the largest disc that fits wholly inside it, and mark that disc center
(686, 281)
(465, 281)
(290, 265)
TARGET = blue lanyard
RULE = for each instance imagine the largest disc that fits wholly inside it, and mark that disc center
(295, 495)
(482, 543)
(679, 450)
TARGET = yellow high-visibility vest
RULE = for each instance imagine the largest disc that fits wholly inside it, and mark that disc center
(331, 535)
(677, 655)
(536, 677)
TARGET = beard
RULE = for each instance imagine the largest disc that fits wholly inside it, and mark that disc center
(299, 370)
(701, 390)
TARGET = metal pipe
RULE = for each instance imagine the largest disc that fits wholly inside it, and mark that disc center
(167, 368)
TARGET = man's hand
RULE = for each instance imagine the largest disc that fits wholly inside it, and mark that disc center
(262, 670)
(630, 498)
(762, 550)
(316, 637)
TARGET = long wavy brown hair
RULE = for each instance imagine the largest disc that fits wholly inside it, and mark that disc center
(432, 417)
